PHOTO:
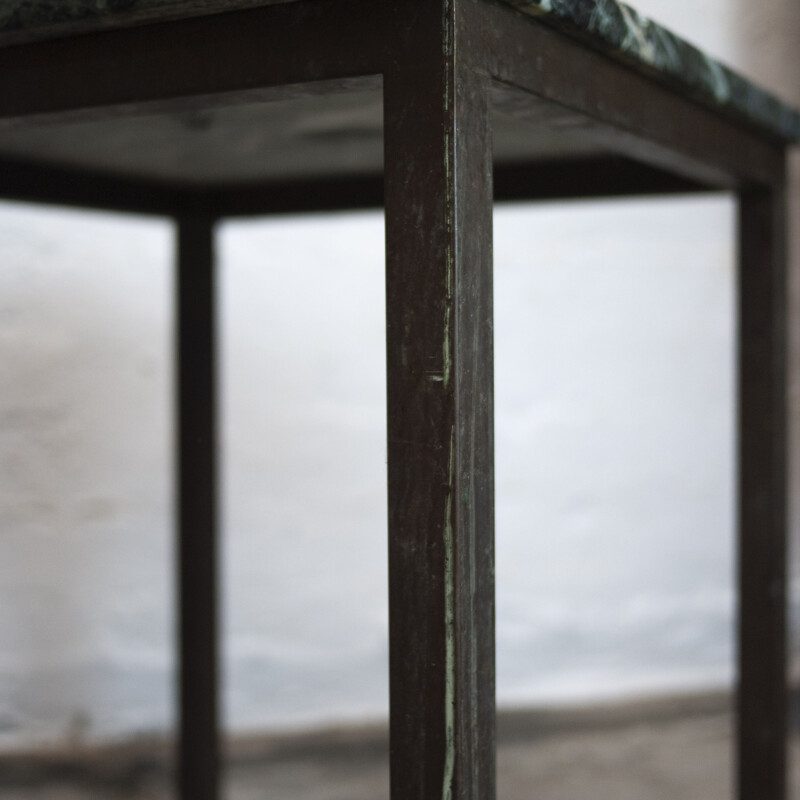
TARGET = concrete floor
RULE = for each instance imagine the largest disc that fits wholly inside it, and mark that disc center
(670, 749)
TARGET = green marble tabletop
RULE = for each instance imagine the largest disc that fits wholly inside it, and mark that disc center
(608, 25)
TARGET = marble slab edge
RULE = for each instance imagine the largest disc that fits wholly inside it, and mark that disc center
(607, 25)
(624, 34)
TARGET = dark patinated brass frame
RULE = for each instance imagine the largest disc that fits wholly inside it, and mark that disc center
(442, 65)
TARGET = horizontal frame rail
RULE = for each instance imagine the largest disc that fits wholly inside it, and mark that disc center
(291, 45)
(220, 59)
(621, 109)
(585, 178)
(35, 183)
(593, 178)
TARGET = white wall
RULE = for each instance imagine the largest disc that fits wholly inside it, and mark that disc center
(613, 446)
(84, 480)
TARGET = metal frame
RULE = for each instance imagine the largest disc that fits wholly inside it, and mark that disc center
(197, 517)
(442, 64)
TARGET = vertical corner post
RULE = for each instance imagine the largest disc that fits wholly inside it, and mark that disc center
(762, 492)
(438, 186)
(197, 612)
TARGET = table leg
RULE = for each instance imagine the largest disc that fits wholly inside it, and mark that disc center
(438, 174)
(762, 693)
(198, 745)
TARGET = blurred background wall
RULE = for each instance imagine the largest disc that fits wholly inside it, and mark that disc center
(614, 446)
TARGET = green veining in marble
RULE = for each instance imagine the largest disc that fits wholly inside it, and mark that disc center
(627, 35)
(608, 25)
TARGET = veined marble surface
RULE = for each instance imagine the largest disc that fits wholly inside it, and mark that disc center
(607, 25)
(624, 33)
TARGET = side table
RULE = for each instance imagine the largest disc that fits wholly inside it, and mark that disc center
(206, 109)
